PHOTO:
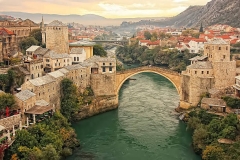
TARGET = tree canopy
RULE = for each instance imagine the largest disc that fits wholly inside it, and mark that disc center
(98, 50)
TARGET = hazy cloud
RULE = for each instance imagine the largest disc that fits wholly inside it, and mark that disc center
(106, 8)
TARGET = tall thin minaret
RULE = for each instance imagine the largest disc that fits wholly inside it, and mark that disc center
(43, 32)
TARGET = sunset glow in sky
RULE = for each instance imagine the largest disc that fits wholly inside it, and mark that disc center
(106, 8)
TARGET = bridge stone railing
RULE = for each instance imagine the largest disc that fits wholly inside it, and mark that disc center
(150, 68)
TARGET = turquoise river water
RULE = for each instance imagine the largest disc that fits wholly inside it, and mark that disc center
(144, 127)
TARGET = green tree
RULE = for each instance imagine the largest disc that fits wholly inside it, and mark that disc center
(200, 136)
(36, 33)
(98, 50)
(7, 100)
(147, 35)
(69, 101)
(27, 42)
(3, 81)
(213, 153)
(23, 138)
(49, 152)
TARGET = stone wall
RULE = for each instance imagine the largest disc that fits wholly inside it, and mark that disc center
(99, 105)
(103, 84)
(10, 121)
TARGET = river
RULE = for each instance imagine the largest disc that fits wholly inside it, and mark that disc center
(144, 127)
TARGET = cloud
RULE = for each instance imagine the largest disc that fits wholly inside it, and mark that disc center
(107, 8)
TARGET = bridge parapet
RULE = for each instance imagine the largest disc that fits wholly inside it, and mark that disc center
(151, 68)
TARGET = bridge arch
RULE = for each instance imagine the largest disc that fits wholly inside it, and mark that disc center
(173, 77)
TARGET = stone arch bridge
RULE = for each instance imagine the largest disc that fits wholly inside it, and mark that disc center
(172, 76)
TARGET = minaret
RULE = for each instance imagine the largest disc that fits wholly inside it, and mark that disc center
(43, 32)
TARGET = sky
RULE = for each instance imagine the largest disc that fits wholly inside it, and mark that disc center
(105, 8)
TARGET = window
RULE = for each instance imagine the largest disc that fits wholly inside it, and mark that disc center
(195, 72)
(207, 72)
(224, 56)
(47, 60)
(74, 58)
(219, 48)
(110, 69)
(77, 58)
(48, 65)
(104, 64)
(227, 48)
(59, 64)
(202, 72)
(110, 64)
(103, 69)
(64, 60)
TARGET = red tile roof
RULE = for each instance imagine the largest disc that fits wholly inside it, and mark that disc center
(153, 43)
(199, 40)
(4, 31)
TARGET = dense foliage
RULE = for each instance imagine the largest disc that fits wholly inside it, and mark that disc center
(72, 99)
(99, 51)
(232, 102)
(208, 129)
(51, 139)
(7, 100)
(35, 38)
(170, 58)
(13, 78)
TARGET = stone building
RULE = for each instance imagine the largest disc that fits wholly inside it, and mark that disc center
(56, 34)
(86, 45)
(35, 68)
(214, 70)
(53, 61)
(21, 28)
(35, 52)
(8, 44)
(103, 74)
(25, 100)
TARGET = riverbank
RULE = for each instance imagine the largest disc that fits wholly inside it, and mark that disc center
(52, 139)
(143, 126)
(212, 134)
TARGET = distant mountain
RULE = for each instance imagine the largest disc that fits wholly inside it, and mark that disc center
(88, 19)
(214, 12)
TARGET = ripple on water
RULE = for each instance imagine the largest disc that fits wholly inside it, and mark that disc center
(143, 127)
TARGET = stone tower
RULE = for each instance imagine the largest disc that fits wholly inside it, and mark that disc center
(214, 70)
(43, 32)
(201, 29)
(57, 37)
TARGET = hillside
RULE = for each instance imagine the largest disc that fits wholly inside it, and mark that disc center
(214, 12)
(88, 19)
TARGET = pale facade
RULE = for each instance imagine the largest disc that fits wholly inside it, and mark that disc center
(78, 55)
(218, 72)
(86, 45)
(196, 46)
(25, 100)
(35, 68)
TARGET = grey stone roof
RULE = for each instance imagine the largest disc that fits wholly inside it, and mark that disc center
(41, 51)
(56, 74)
(201, 65)
(198, 58)
(77, 51)
(32, 48)
(217, 41)
(73, 67)
(42, 80)
(41, 103)
(56, 23)
(100, 59)
(63, 70)
(25, 95)
(214, 102)
(54, 55)
(82, 43)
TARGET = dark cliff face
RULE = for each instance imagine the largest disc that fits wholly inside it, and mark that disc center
(214, 12)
